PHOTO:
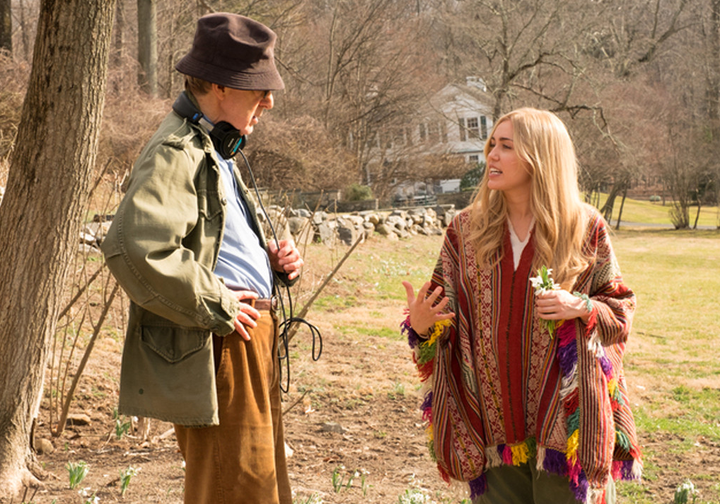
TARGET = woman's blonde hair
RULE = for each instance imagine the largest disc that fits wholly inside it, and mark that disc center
(540, 139)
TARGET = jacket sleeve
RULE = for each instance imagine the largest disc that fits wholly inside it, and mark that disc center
(144, 247)
(612, 300)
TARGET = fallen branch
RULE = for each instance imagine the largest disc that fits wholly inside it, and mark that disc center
(296, 402)
(306, 307)
(81, 367)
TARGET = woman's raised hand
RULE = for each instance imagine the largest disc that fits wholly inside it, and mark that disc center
(424, 313)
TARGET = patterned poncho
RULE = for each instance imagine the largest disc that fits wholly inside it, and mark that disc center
(499, 390)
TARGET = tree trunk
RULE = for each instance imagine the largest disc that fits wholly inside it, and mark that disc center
(607, 208)
(6, 26)
(713, 88)
(118, 50)
(25, 30)
(622, 205)
(147, 45)
(697, 215)
(47, 187)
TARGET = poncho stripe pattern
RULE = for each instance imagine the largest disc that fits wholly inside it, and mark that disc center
(576, 420)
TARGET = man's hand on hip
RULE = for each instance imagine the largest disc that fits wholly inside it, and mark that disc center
(248, 315)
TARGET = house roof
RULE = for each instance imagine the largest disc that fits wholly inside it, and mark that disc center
(457, 100)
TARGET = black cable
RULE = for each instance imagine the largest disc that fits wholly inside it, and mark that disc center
(284, 326)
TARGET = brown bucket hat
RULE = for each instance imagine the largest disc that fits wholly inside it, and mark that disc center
(233, 51)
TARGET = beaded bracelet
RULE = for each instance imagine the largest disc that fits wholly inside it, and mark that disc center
(584, 297)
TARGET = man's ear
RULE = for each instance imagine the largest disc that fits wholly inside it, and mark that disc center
(219, 91)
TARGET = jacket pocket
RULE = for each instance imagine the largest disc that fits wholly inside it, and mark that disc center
(209, 204)
(173, 344)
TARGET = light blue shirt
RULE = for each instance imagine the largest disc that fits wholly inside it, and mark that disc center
(243, 262)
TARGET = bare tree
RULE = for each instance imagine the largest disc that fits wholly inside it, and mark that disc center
(147, 45)
(297, 153)
(637, 31)
(27, 13)
(119, 35)
(6, 26)
(46, 191)
(369, 73)
(526, 50)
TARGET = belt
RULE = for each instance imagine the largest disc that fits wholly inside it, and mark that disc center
(263, 304)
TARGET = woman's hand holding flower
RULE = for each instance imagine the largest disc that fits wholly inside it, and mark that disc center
(559, 304)
(554, 303)
(424, 313)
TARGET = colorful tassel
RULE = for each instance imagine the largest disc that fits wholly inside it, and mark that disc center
(443, 474)
(572, 447)
(519, 454)
(555, 462)
(478, 486)
(580, 487)
(507, 455)
(412, 336)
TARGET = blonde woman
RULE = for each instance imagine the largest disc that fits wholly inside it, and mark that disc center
(524, 412)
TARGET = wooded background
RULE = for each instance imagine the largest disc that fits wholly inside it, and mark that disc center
(637, 82)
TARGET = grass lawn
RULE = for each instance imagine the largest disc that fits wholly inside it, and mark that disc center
(647, 212)
(671, 364)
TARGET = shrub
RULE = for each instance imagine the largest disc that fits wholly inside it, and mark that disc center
(472, 177)
(357, 192)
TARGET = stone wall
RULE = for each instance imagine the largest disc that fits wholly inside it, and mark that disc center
(347, 227)
(325, 227)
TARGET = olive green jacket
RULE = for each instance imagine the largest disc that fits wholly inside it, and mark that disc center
(162, 248)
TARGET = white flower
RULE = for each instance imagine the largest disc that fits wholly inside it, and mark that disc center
(544, 283)
(685, 492)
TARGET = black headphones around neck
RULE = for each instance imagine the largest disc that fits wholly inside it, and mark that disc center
(225, 138)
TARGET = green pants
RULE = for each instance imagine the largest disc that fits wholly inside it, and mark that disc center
(524, 484)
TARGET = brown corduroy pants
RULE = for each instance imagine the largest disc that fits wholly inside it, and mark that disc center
(242, 460)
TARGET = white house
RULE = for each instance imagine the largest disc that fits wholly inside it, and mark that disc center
(456, 120)
(466, 109)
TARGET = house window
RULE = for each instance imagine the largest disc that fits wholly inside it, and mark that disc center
(386, 140)
(372, 140)
(473, 159)
(473, 127)
(443, 132)
(408, 136)
(398, 137)
(422, 131)
(433, 133)
(463, 133)
(483, 127)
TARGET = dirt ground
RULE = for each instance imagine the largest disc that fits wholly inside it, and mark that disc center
(353, 411)
(351, 421)
(359, 415)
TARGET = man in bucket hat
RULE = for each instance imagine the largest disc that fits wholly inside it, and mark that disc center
(186, 245)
